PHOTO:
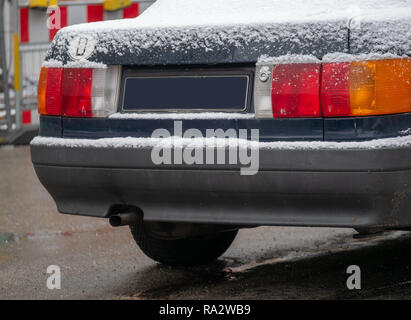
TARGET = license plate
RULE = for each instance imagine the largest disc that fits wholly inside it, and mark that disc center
(185, 93)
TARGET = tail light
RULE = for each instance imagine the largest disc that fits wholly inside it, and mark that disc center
(366, 87)
(78, 92)
(335, 89)
(293, 91)
(49, 91)
(359, 88)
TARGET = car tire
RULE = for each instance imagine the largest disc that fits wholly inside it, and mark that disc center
(192, 251)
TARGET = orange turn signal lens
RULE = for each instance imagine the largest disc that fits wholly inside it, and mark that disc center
(49, 91)
(380, 87)
(364, 88)
(41, 92)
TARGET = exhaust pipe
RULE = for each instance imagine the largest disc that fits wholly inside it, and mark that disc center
(123, 219)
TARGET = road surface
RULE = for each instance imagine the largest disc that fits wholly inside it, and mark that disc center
(100, 262)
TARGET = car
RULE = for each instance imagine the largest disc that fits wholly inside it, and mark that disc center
(200, 118)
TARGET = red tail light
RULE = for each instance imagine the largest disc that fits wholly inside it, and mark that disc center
(335, 89)
(295, 90)
(78, 92)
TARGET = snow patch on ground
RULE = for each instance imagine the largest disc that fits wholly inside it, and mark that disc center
(132, 142)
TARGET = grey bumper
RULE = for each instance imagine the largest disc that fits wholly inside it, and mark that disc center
(330, 187)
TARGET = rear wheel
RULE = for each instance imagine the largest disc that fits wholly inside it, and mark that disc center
(190, 251)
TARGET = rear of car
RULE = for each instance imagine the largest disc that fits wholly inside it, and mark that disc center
(188, 133)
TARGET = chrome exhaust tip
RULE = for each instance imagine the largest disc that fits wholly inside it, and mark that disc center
(123, 219)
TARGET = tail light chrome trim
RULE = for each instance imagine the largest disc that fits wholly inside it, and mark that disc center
(263, 107)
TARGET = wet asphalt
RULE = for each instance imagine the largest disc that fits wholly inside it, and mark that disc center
(100, 262)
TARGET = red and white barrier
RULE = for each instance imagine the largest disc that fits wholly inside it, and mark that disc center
(29, 117)
(33, 22)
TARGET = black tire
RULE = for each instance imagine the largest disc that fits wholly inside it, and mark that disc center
(182, 252)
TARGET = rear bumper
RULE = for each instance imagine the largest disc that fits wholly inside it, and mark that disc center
(343, 187)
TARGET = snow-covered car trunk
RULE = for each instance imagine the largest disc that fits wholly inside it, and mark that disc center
(207, 45)
(236, 31)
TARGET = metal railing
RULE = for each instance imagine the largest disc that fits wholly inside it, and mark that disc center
(8, 120)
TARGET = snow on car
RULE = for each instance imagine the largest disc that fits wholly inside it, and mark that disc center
(200, 118)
